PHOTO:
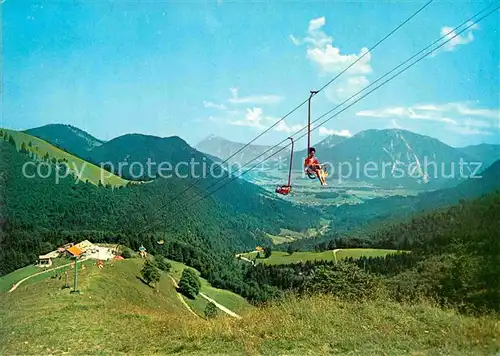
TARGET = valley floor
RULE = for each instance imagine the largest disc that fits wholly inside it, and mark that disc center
(118, 314)
(281, 257)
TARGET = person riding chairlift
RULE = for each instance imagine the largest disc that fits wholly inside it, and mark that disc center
(311, 164)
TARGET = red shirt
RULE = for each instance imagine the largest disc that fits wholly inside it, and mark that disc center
(311, 162)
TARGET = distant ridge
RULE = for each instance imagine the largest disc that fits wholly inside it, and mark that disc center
(68, 138)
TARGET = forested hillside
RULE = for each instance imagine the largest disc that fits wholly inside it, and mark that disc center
(42, 151)
(454, 259)
(39, 215)
(68, 138)
(375, 212)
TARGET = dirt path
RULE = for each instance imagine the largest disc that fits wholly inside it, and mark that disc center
(335, 253)
(14, 287)
(240, 256)
(181, 298)
(221, 307)
(247, 260)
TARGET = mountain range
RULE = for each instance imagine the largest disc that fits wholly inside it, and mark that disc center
(236, 153)
(485, 153)
(123, 154)
(394, 157)
(379, 146)
(388, 158)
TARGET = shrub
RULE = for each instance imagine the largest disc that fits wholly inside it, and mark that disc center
(210, 311)
(162, 264)
(344, 280)
(126, 253)
(150, 273)
(190, 283)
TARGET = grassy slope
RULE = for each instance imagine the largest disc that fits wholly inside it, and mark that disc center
(280, 257)
(116, 313)
(91, 172)
(228, 299)
(286, 235)
(42, 314)
(322, 325)
(7, 281)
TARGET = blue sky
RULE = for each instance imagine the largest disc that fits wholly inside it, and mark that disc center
(232, 69)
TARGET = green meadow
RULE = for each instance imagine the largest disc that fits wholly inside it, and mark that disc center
(85, 170)
(116, 313)
(280, 257)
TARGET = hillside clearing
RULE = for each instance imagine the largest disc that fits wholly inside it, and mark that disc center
(280, 257)
(33, 274)
(117, 314)
(230, 300)
(89, 172)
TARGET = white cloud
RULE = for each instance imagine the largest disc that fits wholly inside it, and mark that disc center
(406, 112)
(395, 125)
(469, 131)
(462, 39)
(323, 131)
(316, 24)
(256, 99)
(295, 41)
(253, 118)
(460, 108)
(477, 123)
(486, 113)
(253, 99)
(345, 88)
(209, 104)
(256, 118)
(329, 60)
(455, 40)
(283, 127)
(254, 115)
(457, 117)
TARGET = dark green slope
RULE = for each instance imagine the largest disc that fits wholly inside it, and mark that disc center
(360, 220)
(39, 214)
(460, 247)
(135, 151)
(346, 217)
(67, 137)
(127, 149)
(453, 259)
